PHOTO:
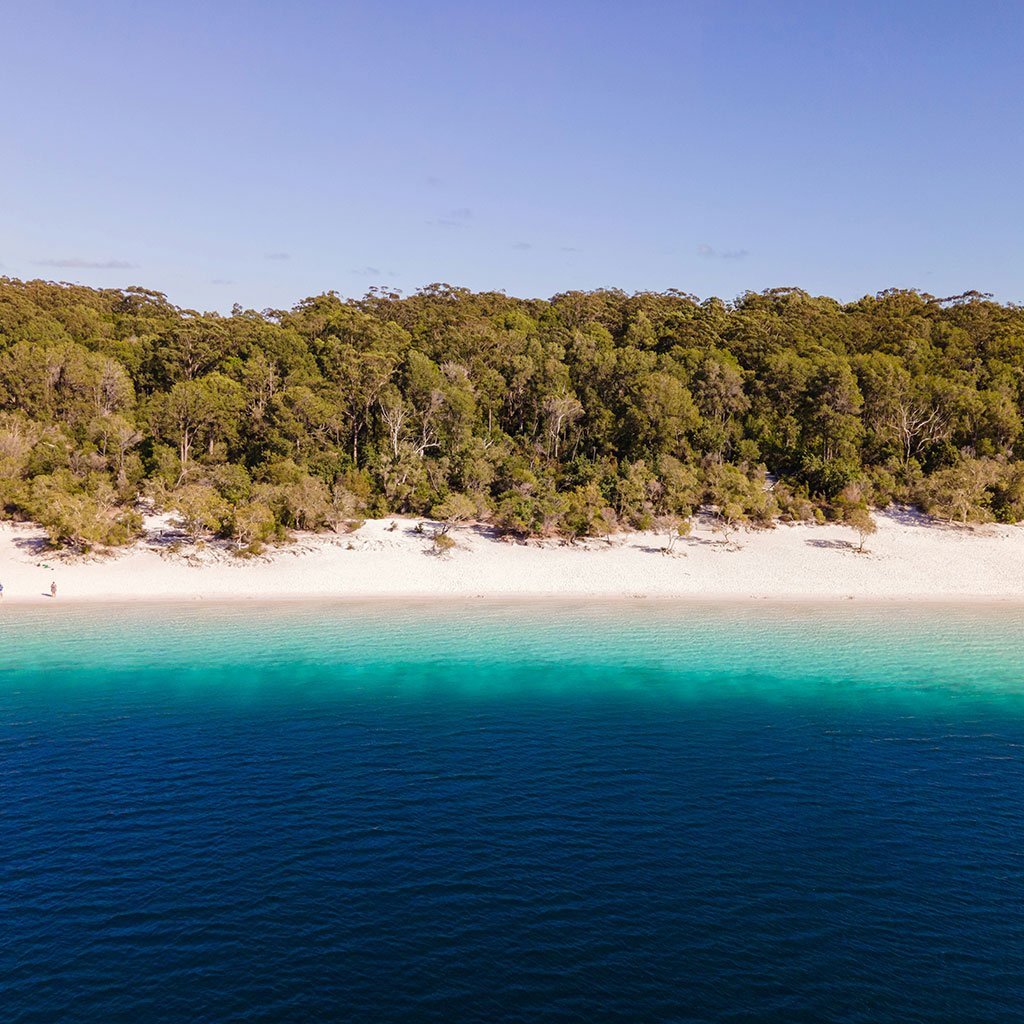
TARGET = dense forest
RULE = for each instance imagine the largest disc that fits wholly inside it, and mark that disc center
(580, 415)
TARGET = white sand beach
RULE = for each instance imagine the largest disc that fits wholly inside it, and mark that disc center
(911, 558)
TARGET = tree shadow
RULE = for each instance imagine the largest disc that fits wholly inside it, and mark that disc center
(35, 546)
(165, 538)
(421, 528)
(485, 530)
(681, 546)
(907, 515)
(840, 545)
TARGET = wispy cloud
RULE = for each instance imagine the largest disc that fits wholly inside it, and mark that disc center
(708, 252)
(456, 218)
(434, 181)
(366, 272)
(569, 248)
(522, 246)
(221, 280)
(75, 263)
(278, 256)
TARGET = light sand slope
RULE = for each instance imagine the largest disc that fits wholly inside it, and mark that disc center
(909, 559)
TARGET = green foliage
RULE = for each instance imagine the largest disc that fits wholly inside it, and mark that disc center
(591, 412)
(72, 517)
(859, 519)
(305, 503)
(442, 544)
(251, 524)
(1008, 494)
(587, 513)
(200, 509)
(456, 508)
(517, 514)
(962, 491)
(674, 529)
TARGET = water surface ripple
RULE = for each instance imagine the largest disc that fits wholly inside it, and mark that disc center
(511, 813)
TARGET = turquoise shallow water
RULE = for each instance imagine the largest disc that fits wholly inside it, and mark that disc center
(511, 812)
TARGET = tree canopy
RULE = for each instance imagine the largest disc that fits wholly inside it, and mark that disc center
(581, 414)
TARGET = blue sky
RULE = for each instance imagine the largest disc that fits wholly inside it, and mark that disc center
(262, 152)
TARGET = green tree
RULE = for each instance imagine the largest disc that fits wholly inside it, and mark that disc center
(859, 519)
(961, 491)
(200, 509)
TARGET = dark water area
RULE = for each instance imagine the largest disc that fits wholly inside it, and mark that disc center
(511, 813)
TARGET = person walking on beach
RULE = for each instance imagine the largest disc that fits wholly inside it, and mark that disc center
(53, 589)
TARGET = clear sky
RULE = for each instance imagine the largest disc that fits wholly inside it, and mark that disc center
(261, 152)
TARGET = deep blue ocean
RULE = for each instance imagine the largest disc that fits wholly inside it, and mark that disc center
(511, 812)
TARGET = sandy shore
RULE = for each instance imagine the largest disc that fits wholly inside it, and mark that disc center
(910, 559)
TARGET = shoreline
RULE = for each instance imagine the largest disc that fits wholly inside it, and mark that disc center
(911, 560)
(803, 600)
